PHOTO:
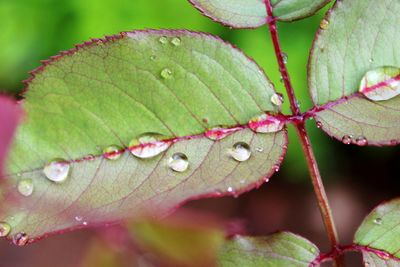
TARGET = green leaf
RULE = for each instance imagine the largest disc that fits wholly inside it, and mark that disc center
(253, 13)
(179, 243)
(176, 84)
(349, 45)
(379, 235)
(280, 249)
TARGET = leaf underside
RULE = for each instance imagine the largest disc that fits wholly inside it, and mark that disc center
(280, 249)
(253, 13)
(109, 91)
(360, 36)
(380, 230)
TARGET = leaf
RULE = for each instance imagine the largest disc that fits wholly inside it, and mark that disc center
(179, 243)
(348, 45)
(379, 235)
(280, 249)
(253, 13)
(9, 118)
(108, 92)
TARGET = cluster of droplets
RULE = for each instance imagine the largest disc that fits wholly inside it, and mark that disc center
(349, 139)
(19, 239)
(167, 73)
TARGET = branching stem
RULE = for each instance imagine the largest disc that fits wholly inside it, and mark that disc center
(318, 186)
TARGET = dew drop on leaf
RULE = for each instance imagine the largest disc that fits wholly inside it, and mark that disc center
(112, 152)
(148, 145)
(259, 149)
(285, 58)
(20, 239)
(218, 133)
(89, 157)
(324, 24)
(5, 229)
(57, 170)
(276, 167)
(163, 40)
(266, 124)
(230, 189)
(319, 124)
(240, 151)
(25, 187)
(78, 218)
(277, 99)
(346, 139)
(381, 83)
(178, 162)
(378, 221)
(166, 73)
(361, 141)
(176, 41)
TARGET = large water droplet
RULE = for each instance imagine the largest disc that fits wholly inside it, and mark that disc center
(346, 139)
(20, 239)
(277, 99)
(324, 24)
(148, 145)
(5, 229)
(382, 83)
(163, 40)
(378, 221)
(57, 170)
(176, 41)
(112, 152)
(361, 141)
(166, 73)
(240, 151)
(266, 124)
(178, 162)
(218, 133)
(25, 187)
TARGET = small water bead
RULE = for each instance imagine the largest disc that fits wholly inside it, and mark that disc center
(276, 167)
(218, 133)
(176, 41)
(285, 58)
(266, 124)
(20, 239)
(361, 141)
(277, 99)
(112, 152)
(5, 229)
(378, 221)
(319, 124)
(346, 139)
(381, 83)
(57, 170)
(78, 218)
(230, 189)
(163, 40)
(259, 149)
(178, 162)
(240, 151)
(166, 73)
(89, 157)
(313, 250)
(148, 145)
(85, 223)
(324, 24)
(25, 187)
(370, 60)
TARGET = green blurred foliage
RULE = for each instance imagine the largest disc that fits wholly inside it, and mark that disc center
(37, 29)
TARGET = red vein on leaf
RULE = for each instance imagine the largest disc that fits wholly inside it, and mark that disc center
(381, 84)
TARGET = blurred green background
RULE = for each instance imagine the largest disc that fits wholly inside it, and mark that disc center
(357, 178)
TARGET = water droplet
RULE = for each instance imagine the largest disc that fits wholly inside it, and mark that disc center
(276, 167)
(361, 141)
(89, 157)
(378, 221)
(78, 218)
(381, 83)
(347, 139)
(324, 24)
(178, 162)
(218, 133)
(383, 255)
(57, 170)
(240, 151)
(371, 60)
(153, 57)
(176, 41)
(112, 152)
(313, 250)
(319, 124)
(85, 223)
(259, 149)
(166, 73)
(25, 187)
(281, 79)
(20, 239)
(5, 229)
(230, 189)
(163, 40)
(266, 124)
(285, 58)
(266, 179)
(148, 145)
(277, 99)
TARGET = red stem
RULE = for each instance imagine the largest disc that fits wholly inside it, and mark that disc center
(318, 186)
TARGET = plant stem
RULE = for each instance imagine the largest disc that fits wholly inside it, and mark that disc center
(318, 186)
